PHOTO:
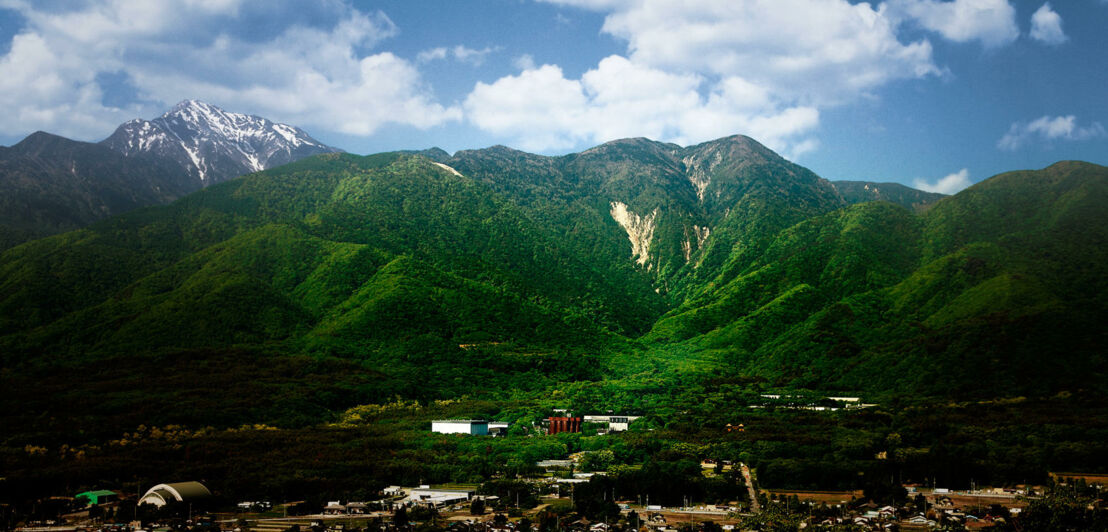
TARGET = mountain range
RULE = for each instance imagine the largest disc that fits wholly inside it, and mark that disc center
(51, 184)
(426, 275)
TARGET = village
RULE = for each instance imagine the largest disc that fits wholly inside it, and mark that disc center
(563, 497)
(192, 506)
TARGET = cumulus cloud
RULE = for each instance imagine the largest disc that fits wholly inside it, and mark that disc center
(1046, 129)
(990, 22)
(950, 184)
(314, 72)
(702, 69)
(544, 110)
(540, 107)
(817, 51)
(1046, 26)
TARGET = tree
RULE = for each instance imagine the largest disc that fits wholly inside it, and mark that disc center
(422, 513)
(477, 507)
(126, 510)
(773, 517)
(400, 517)
(597, 460)
(633, 520)
(1061, 510)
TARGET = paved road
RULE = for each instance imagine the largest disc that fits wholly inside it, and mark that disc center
(754, 506)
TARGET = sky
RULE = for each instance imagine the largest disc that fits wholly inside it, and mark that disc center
(934, 94)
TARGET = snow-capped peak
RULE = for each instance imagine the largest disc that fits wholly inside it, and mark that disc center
(215, 145)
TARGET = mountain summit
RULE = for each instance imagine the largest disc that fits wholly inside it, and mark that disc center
(213, 145)
(50, 184)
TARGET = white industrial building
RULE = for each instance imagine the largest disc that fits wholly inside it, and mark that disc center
(461, 426)
(614, 423)
(436, 498)
(552, 464)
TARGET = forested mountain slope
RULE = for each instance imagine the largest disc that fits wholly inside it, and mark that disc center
(996, 290)
(50, 184)
(679, 208)
(497, 271)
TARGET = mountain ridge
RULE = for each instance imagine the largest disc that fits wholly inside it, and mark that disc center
(863, 191)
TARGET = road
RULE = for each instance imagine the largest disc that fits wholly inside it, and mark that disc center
(754, 506)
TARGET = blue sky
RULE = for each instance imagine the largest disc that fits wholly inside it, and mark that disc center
(936, 94)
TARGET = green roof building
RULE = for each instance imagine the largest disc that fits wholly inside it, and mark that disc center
(97, 497)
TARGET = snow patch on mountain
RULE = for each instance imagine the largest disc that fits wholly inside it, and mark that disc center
(214, 145)
(640, 230)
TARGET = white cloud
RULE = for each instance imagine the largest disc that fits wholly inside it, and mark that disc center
(544, 110)
(527, 62)
(703, 69)
(461, 53)
(950, 184)
(815, 51)
(539, 107)
(432, 54)
(1046, 26)
(991, 22)
(472, 56)
(314, 74)
(1048, 128)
